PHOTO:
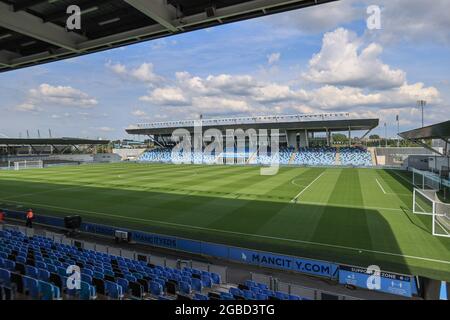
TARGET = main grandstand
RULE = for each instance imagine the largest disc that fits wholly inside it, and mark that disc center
(301, 140)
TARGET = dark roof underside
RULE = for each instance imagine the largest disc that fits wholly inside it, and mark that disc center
(34, 31)
(436, 131)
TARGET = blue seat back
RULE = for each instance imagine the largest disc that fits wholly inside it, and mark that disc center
(156, 288)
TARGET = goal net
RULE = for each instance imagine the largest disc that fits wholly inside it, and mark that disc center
(427, 202)
(426, 180)
(28, 164)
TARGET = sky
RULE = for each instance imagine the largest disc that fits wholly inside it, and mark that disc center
(315, 60)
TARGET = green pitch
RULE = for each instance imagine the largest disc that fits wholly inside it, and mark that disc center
(352, 216)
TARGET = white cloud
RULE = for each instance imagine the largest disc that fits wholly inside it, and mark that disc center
(143, 73)
(27, 107)
(61, 95)
(218, 105)
(138, 113)
(106, 129)
(343, 60)
(273, 58)
(166, 96)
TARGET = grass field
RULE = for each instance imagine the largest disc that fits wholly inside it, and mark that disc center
(352, 216)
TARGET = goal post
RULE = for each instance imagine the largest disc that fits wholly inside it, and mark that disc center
(426, 180)
(427, 202)
(28, 164)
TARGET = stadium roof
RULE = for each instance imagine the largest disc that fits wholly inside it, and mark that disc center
(34, 31)
(315, 122)
(435, 131)
(50, 141)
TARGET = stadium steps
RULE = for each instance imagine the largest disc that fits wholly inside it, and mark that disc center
(338, 156)
(374, 156)
(292, 158)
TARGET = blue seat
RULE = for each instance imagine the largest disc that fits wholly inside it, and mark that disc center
(130, 278)
(185, 287)
(40, 264)
(156, 288)
(199, 296)
(261, 296)
(206, 281)
(262, 286)
(87, 271)
(32, 272)
(123, 283)
(21, 259)
(236, 292)
(226, 296)
(10, 265)
(43, 275)
(5, 275)
(249, 295)
(31, 286)
(196, 284)
(294, 297)
(215, 278)
(113, 290)
(86, 278)
(48, 291)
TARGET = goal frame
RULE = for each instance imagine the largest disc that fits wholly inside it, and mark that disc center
(28, 164)
(434, 215)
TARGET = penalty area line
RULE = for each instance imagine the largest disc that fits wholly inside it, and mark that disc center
(381, 187)
(306, 188)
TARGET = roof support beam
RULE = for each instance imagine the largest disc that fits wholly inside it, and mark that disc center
(157, 10)
(26, 4)
(32, 26)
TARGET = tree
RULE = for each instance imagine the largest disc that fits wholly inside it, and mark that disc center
(374, 137)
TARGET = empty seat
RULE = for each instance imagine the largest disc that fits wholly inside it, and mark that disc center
(185, 287)
(31, 287)
(156, 288)
(32, 272)
(113, 290)
(196, 284)
(5, 276)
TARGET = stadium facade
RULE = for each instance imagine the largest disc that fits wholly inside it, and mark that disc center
(295, 131)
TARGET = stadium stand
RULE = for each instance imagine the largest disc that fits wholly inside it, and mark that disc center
(36, 268)
(324, 156)
(320, 156)
(355, 157)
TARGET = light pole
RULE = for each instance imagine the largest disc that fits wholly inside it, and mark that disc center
(421, 104)
(398, 131)
(385, 135)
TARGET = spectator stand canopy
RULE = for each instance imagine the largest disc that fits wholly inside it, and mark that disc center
(288, 125)
(35, 31)
(440, 131)
(59, 145)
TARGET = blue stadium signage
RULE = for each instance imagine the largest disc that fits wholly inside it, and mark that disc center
(262, 259)
(392, 283)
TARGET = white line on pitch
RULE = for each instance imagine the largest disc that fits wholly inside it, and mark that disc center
(249, 234)
(379, 184)
(309, 185)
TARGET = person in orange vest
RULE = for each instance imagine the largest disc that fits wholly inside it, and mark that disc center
(2, 216)
(30, 217)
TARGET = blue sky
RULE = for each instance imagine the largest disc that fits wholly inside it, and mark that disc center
(315, 60)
